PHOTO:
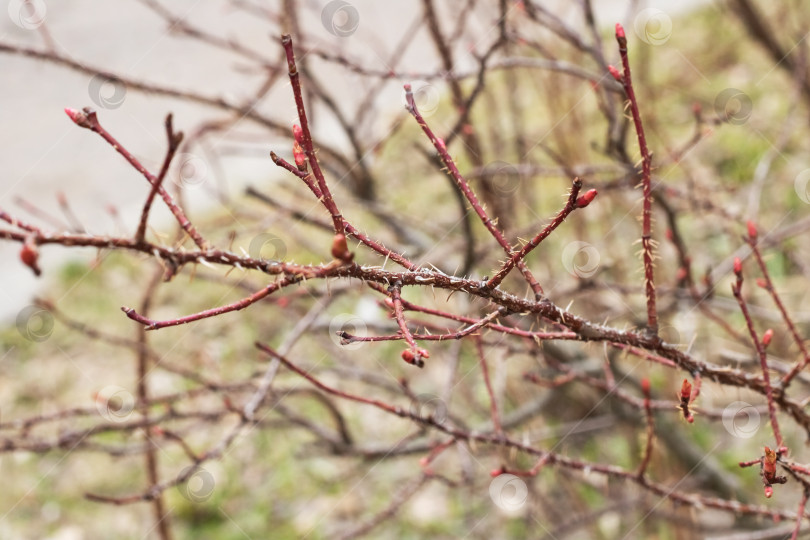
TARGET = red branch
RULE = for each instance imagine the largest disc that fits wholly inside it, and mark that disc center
(646, 183)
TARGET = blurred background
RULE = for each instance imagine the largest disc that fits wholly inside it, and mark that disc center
(91, 407)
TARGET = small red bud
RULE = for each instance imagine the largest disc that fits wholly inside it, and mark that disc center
(686, 390)
(768, 492)
(752, 230)
(762, 283)
(691, 419)
(767, 337)
(298, 134)
(340, 248)
(300, 157)
(645, 386)
(585, 199)
(619, 30)
(737, 266)
(615, 73)
(29, 255)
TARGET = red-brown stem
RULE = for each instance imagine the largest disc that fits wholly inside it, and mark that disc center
(306, 140)
(493, 405)
(462, 184)
(648, 446)
(435, 452)
(87, 118)
(174, 143)
(548, 457)
(646, 183)
(241, 304)
(349, 338)
(400, 318)
(752, 241)
(736, 289)
(303, 175)
(518, 256)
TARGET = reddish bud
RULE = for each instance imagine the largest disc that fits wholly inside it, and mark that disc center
(619, 30)
(767, 337)
(415, 356)
(29, 255)
(762, 283)
(690, 419)
(752, 230)
(340, 248)
(615, 73)
(497, 472)
(768, 492)
(686, 391)
(645, 386)
(85, 118)
(298, 134)
(300, 157)
(737, 266)
(680, 275)
(585, 199)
